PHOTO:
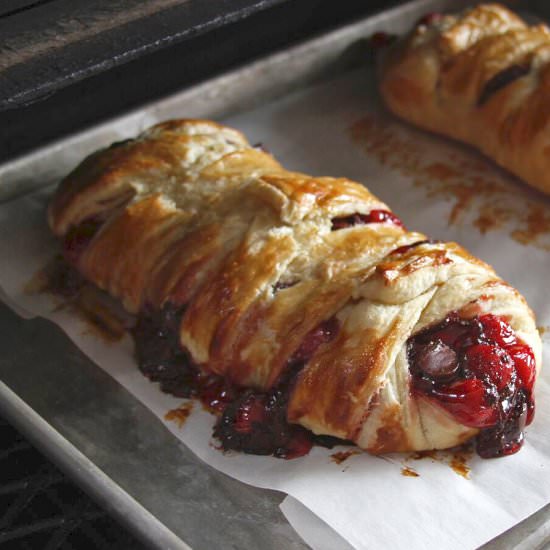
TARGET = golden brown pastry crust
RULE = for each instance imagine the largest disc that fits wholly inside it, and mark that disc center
(482, 77)
(193, 215)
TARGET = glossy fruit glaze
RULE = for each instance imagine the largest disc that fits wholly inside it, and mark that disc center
(481, 373)
(249, 421)
(374, 216)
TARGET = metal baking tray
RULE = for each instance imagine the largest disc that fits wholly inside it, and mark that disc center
(93, 428)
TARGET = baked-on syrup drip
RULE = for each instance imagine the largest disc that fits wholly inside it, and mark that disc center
(59, 278)
(249, 421)
(481, 373)
(374, 216)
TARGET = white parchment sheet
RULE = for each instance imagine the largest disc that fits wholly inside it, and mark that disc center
(340, 129)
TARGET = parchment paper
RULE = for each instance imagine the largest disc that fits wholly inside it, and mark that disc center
(445, 190)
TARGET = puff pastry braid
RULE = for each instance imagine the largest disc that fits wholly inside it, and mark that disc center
(287, 301)
(482, 77)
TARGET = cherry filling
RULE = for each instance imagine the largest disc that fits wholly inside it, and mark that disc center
(374, 216)
(78, 238)
(476, 369)
(249, 421)
(162, 359)
(255, 423)
(481, 373)
(160, 356)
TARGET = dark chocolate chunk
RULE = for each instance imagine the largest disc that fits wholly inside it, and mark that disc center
(437, 360)
(500, 80)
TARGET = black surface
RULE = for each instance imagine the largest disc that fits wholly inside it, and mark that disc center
(41, 509)
(46, 45)
(193, 58)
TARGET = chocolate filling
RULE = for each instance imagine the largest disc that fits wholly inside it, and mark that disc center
(500, 80)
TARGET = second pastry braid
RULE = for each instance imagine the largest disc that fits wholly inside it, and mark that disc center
(482, 77)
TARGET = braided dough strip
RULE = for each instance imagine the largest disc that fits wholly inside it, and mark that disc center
(481, 77)
(193, 215)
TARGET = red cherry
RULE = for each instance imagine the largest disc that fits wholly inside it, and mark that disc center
(486, 360)
(384, 216)
(466, 401)
(523, 358)
(374, 216)
(498, 330)
(299, 444)
(216, 394)
(453, 335)
(252, 411)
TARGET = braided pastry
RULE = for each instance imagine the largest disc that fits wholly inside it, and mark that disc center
(481, 77)
(287, 302)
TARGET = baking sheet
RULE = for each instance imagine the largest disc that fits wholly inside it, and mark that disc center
(335, 129)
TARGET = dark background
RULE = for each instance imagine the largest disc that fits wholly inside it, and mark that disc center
(65, 64)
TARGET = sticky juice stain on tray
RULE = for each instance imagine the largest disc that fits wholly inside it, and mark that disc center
(466, 181)
(458, 464)
(180, 414)
(457, 458)
(342, 456)
(104, 318)
(409, 472)
(419, 455)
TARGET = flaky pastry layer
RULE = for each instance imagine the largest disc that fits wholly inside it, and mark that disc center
(481, 77)
(191, 214)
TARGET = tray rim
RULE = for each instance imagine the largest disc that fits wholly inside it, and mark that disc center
(233, 98)
(115, 500)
